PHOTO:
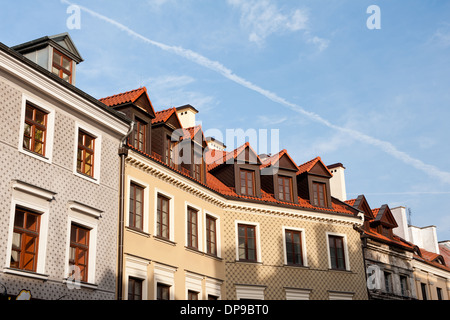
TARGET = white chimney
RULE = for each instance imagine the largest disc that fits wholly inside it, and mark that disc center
(425, 237)
(402, 230)
(337, 182)
(215, 144)
(186, 114)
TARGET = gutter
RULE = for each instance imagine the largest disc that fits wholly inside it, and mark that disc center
(123, 153)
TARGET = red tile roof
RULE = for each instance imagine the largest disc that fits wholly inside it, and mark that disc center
(445, 252)
(350, 202)
(431, 258)
(216, 161)
(126, 97)
(275, 158)
(306, 167)
(164, 115)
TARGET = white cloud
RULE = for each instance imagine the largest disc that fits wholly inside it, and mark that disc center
(215, 66)
(442, 36)
(262, 18)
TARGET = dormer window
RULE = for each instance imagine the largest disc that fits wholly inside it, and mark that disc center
(247, 182)
(62, 66)
(285, 188)
(319, 194)
(140, 134)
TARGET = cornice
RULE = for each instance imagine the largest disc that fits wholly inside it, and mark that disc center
(159, 171)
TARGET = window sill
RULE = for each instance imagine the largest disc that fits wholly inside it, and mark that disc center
(165, 240)
(194, 250)
(36, 155)
(79, 284)
(139, 232)
(28, 274)
(296, 266)
(86, 177)
(249, 262)
(340, 270)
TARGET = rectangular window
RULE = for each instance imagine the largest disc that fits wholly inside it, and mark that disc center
(319, 194)
(294, 247)
(439, 293)
(140, 134)
(62, 66)
(136, 213)
(337, 252)
(212, 297)
(85, 154)
(404, 285)
(423, 287)
(162, 292)
(192, 295)
(134, 289)
(162, 217)
(35, 130)
(168, 153)
(247, 242)
(211, 235)
(388, 282)
(247, 182)
(25, 240)
(285, 188)
(198, 168)
(192, 225)
(79, 251)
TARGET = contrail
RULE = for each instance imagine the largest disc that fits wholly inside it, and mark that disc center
(197, 58)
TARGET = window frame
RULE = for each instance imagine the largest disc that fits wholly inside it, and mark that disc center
(208, 242)
(191, 242)
(97, 153)
(59, 65)
(132, 281)
(137, 133)
(171, 215)
(323, 186)
(256, 226)
(78, 246)
(281, 188)
(49, 132)
(132, 214)
(253, 177)
(304, 258)
(344, 247)
(162, 286)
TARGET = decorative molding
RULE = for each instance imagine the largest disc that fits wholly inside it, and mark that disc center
(82, 208)
(33, 190)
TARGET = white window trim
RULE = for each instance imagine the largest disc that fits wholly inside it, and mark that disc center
(164, 274)
(97, 152)
(50, 129)
(44, 211)
(136, 268)
(218, 232)
(250, 292)
(145, 218)
(194, 283)
(258, 238)
(171, 213)
(344, 236)
(83, 215)
(334, 295)
(213, 287)
(304, 254)
(199, 225)
(297, 294)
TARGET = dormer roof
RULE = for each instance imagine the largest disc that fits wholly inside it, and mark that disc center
(139, 97)
(362, 204)
(62, 42)
(244, 153)
(281, 160)
(166, 116)
(384, 216)
(315, 166)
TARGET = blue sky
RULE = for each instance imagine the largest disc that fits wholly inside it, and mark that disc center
(377, 101)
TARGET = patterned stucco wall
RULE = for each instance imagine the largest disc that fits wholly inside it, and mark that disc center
(59, 178)
(272, 272)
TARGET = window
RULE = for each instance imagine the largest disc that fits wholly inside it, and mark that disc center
(192, 225)
(247, 242)
(423, 287)
(134, 289)
(336, 247)
(319, 194)
(79, 250)
(285, 188)
(439, 293)
(212, 298)
(85, 154)
(294, 247)
(62, 66)
(211, 235)
(162, 217)
(198, 168)
(25, 240)
(168, 153)
(162, 292)
(136, 213)
(140, 135)
(388, 282)
(35, 130)
(248, 182)
(404, 285)
(192, 295)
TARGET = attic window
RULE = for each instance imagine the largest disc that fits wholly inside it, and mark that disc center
(319, 194)
(62, 66)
